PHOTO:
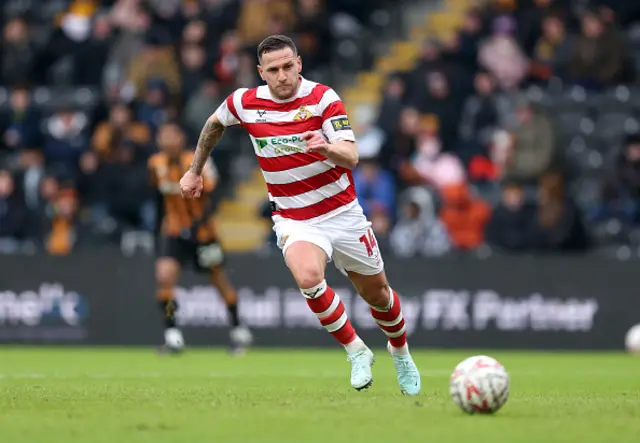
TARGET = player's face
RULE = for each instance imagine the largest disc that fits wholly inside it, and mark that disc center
(170, 139)
(281, 70)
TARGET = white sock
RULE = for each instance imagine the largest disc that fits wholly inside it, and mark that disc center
(404, 350)
(355, 346)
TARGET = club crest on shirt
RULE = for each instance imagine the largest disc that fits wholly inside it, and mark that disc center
(303, 114)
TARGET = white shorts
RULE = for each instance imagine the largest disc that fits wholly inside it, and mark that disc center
(346, 238)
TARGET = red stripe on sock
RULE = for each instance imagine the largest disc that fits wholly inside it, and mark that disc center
(345, 334)
(395, 328)
(391, 315)
(323, 302)
(335, 315)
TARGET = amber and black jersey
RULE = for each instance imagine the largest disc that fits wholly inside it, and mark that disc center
(181, 217)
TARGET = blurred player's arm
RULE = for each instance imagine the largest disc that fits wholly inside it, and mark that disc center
(158, 197)
(225, 116)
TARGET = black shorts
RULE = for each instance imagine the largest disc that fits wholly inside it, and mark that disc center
(202, 256)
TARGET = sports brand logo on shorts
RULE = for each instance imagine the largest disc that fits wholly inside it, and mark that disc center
(303, 114)
(341, 124)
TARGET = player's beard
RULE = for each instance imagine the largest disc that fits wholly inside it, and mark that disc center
(285, 91)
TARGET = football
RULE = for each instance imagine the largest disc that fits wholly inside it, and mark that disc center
(632, 340)
(479, 385)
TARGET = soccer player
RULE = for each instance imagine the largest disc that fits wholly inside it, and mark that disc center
(187, 235)
(306, 149)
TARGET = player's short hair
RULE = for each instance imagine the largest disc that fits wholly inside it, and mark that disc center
(275, 43)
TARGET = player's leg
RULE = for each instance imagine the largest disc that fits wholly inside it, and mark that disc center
(307, 262)
(357, 255)
(241, 336)
(386, 309)
(209, 258)
(167, 272)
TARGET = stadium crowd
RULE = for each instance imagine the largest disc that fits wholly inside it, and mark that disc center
(519, 133)
(73, 162)
(465, 150)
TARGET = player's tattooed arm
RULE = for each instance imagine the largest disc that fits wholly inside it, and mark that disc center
(209, 137)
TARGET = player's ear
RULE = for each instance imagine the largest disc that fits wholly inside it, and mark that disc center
(299, 61)
(261, 73)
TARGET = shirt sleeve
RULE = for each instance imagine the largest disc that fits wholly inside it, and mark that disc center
(335, 122)
(227, 112)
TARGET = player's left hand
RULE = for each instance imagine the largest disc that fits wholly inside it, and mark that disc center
(191, 185)
(315, 143)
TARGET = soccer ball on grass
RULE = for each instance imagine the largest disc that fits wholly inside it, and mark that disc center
(632, 340)
(479, 385)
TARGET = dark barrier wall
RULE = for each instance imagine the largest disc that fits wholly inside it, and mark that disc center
(544, 303)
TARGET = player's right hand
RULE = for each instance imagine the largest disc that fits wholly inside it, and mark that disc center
(191, 185)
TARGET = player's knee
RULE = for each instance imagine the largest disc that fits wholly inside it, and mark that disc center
(308, 276)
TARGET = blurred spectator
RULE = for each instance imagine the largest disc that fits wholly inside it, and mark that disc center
(155, 63)
(501, 55)
(468, 40)
(119, 128)
(155, 108)
(18, 53)
(376, 193)
(598, 56)
(464, 216)
(533, 146)
(193, 58)
(13, 213)
(551, 52)
(489, 167)
(621, 187)
(531, 20)
(312, 34)
(396, 154)
(226, 65)
(92, 56)
(199, 106)
(61, 236)
(20, 126)
(430, 60)
(561, 227)
(441, 103)
(482, 112)
(418, 231)
(513, 224)
(391, 106)
(128, 202)
(256, 16)
(429, 164)
(66, 139)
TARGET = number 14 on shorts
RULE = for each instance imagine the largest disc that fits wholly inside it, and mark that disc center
(369, 241)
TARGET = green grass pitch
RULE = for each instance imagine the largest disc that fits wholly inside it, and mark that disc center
(115, 395)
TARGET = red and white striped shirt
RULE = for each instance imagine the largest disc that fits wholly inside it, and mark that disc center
(303, 186)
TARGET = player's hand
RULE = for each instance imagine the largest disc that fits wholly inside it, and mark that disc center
(315, 143)
(191, 185)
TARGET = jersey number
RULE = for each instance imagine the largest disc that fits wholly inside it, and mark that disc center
(369, 241)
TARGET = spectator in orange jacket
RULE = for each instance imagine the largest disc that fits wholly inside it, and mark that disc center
(464, 216)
